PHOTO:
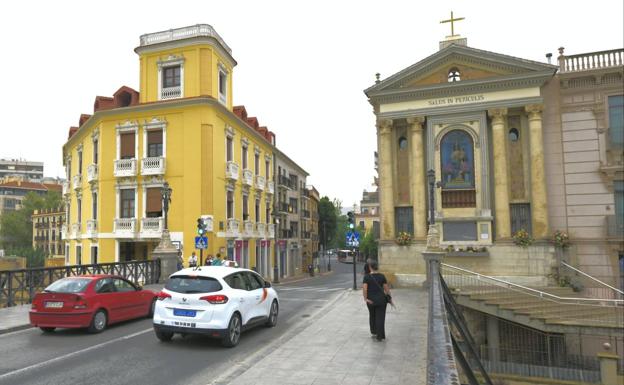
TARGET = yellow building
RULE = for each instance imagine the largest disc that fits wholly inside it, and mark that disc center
(181, 129)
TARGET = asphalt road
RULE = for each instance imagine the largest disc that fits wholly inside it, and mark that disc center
(130, 353)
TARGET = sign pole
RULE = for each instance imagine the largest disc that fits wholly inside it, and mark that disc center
(201, 257)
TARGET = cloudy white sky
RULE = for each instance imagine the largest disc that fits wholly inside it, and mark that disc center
(302, 65)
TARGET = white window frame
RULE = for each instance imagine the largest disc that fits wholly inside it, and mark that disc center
(118, 198)
(145, 186)
(155, 125)
(222, 95)
(126, 127)
(171, 61)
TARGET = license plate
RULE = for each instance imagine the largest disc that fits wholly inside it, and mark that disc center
(55, 305)
(184, 313)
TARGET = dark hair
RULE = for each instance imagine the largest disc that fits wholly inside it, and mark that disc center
(374, 265)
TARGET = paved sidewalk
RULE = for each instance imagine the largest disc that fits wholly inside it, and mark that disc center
(336, 348)
(16, 317)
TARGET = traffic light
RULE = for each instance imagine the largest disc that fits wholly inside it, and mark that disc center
(351, 219)
(201, 227)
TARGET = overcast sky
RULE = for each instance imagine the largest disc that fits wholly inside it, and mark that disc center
(302, 65)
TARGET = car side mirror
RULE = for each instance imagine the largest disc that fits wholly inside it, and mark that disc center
(267, 284)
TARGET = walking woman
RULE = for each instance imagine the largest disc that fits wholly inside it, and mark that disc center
(374, 288)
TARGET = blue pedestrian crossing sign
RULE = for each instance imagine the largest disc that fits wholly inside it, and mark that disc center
(353, 238)
(201, 243)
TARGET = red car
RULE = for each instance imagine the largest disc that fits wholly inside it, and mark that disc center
(90, 301)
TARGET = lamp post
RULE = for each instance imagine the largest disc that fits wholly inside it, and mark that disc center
(166, 192)
(431, 180)
(325, 246)
(276, 220)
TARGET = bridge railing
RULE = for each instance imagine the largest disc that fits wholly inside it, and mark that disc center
(18, 287)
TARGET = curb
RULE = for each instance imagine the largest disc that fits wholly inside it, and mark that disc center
(304, 278)
(239, 368)
(15, 329)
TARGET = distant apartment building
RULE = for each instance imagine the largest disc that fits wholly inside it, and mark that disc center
(368, 217)
(47, 227)
(311, 243)
(14, 189)
(21, 167)
(291, 193)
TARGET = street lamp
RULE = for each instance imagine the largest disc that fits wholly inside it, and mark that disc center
(325, 246)
(431, 180)
(166, 192)
(276, 220)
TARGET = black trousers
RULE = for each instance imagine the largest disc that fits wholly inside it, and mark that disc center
(377, 319)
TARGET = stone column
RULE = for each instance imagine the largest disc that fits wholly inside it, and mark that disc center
(168, 255)
(501, 186)
(386, 191)
(419, 192)
(539, 210)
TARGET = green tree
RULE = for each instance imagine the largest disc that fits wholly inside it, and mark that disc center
(327, 222)
(369, 246)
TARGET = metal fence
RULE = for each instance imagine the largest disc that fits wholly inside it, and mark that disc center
(18, 287)
(586, 284)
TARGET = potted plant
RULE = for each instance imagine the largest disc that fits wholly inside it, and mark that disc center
(404, 238)
(522, 238)
(561, 239)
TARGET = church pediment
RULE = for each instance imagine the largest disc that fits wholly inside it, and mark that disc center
(463, 64)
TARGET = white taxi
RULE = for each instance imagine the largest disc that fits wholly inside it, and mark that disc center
(216, 301)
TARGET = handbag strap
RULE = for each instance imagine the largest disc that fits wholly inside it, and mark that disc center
(377, 283)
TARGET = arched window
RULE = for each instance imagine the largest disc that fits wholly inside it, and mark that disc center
(514, 135)
(402, 143)
(454, 75)
(457, 160)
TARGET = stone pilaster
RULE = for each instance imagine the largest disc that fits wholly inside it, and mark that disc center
(419, 197)
(386, 193)
(539, 209)
(501, 185)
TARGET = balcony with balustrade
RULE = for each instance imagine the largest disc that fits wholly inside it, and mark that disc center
(591, 61)
(92, 173)
(171, 93)
(124, 227)
(271, 231)
(248, 229)
(66, 190)
(125, 168)
(77, 182)
(151, 227)
(92, 228)
(260, 230)
(260, 182)
(233, 228)
(153, 165)
(247, 178)
(231, 171)
(64, 234)
(75, 230)
(270, 187)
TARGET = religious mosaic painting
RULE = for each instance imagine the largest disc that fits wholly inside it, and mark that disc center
(457, 157)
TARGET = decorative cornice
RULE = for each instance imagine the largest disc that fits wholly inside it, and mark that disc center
(245, 141)
(229, 131)
(155, 123)
(129, 125)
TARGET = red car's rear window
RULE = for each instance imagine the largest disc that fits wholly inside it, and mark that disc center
(68, 285)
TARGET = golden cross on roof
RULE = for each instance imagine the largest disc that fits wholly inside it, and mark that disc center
(452, 20)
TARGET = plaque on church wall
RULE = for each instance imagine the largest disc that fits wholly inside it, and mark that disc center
(460, 231)
(457, 158)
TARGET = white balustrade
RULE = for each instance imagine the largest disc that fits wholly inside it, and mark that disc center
(183, 33)
(270, 187)
(231, 171)
(92, 173)
(66, 190)
(152, 227)
(261, 230)
(125, 167)
(247, 177)
(124, 226)
(271, 231)
(260, 182)
(64, 234)
(77, 182)
(171, 93)
(233, 227)
(75, 228)
(92, 227)
(248, 229)
(592, 61)
(153, 166)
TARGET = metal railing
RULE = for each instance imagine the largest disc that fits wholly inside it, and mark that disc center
(18, 287)
(590, 286)
(539, 304)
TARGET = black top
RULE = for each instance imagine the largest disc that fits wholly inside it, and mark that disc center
(375, 293)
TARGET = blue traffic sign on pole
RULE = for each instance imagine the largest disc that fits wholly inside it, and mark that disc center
(201, 243)
(353, 239)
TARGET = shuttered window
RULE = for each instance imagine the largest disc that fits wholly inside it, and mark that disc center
(154, 143)
(153, 204)
(126, 145)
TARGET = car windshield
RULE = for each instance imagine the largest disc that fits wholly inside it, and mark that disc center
(189, 285)
(68, 285)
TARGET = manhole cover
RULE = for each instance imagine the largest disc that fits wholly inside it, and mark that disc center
(305, 315)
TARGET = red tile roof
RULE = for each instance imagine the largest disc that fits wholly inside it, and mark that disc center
(32, 186)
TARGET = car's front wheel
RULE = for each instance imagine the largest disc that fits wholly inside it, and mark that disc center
(272, 321)
(163, 335)
(99, 321)
(233, 332)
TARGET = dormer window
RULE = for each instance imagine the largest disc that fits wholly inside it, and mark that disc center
(171, 78)
(222, 85)
(454, 75)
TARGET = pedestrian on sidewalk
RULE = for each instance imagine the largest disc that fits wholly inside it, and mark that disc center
(374, 289)
(193, 260)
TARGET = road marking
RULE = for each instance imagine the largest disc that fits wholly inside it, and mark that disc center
(282, 299)
(60, 358)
